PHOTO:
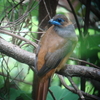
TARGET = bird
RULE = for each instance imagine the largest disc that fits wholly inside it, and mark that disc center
(54, 48)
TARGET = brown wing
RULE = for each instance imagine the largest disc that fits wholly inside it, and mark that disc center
(52, 60)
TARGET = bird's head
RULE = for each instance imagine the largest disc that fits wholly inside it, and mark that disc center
(59, 20)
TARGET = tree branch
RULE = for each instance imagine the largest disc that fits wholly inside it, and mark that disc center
(17, 53)
(29, 58)
(78, 70)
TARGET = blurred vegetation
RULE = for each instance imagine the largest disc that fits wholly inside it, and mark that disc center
(21, 18)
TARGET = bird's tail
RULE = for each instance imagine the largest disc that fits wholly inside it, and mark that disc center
(40, 88)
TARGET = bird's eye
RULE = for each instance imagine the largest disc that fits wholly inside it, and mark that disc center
(60, 20)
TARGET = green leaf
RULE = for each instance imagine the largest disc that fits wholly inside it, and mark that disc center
(61, 94)
(14, 93)
(26, 96)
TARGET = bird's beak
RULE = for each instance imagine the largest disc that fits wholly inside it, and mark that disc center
(50, 21)
(53, 22)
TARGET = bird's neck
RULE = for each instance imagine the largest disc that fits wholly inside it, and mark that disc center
(65, 32)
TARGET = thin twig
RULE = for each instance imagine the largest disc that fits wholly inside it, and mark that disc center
(75, 59)
(42, 20)
(86, 25)
(74, 16)
(46, 9)
(20, 19)
(75, 87)
(74, 91)
(11, 9)
(19, 37)
(19, 80)
(52, 94)
(25, 32)
(92, 8)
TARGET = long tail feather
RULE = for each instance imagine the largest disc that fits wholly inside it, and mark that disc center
(40, 88)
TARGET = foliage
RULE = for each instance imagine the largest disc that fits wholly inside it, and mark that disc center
(61, 94)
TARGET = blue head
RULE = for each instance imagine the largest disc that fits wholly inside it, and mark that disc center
(58, 20)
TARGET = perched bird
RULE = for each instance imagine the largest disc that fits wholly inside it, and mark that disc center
(54, 49)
